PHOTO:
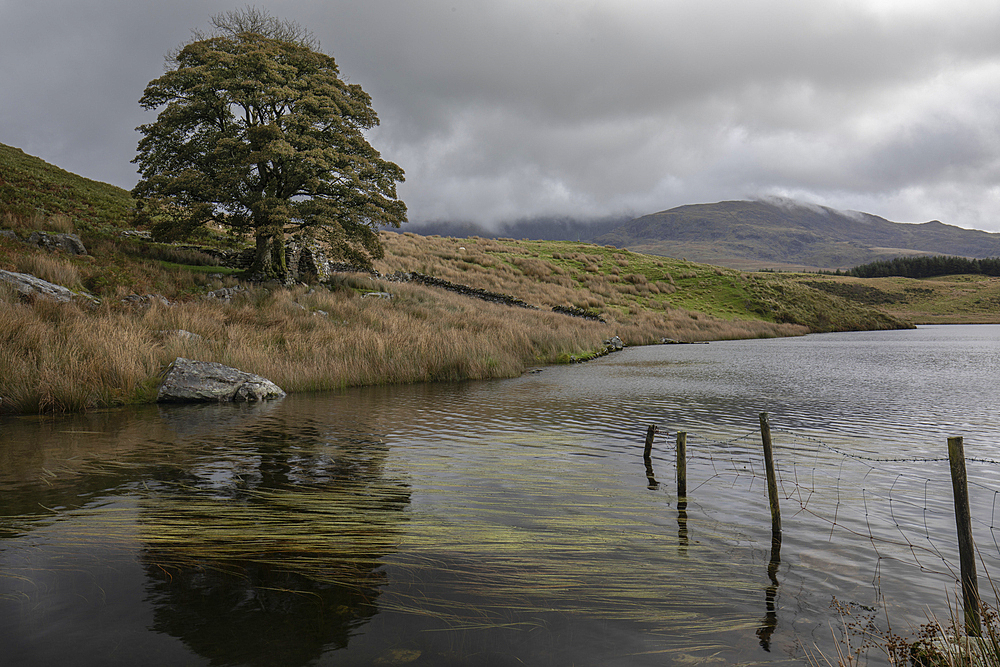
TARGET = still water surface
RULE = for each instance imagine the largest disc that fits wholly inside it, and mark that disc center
(508, 522)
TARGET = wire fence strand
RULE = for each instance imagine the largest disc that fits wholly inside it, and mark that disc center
(903, 506)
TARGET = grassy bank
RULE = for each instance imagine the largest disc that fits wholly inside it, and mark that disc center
(69, 357)
(76, 356)
(30, 187)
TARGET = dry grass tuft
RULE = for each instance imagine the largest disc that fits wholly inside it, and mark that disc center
(53, 268)
(38, 222)
(57, 357)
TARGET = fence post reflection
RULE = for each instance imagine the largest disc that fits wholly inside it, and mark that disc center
(650, 477)
(770, 622)
(682, 517)
(647, 456)
(682, 523)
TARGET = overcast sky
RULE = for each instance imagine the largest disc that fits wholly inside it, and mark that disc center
(505, 109)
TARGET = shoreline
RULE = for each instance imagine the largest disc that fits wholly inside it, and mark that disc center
(71, 358)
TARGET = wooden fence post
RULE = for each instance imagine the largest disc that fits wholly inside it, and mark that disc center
(770, 622)
(650, 434)
(772, 482)
(682, 474)
(966, 547)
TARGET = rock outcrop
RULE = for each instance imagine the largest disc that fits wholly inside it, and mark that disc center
(31, 287)
(305, 260)
(189, 381)
(225, 294)
(180, 334)
(68, 243)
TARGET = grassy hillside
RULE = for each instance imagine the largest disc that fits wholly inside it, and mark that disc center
(627, 287)
(77, 356)
(962, 299)
(758, 234)
(30, 187)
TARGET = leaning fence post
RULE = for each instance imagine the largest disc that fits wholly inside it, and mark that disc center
(682, 473)
(772, 483)
(650, 434)
(966, 547)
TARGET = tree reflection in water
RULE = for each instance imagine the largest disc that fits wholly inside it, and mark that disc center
(257, 614)
(268, 552)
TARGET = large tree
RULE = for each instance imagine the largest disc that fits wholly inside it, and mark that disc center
(257, 132)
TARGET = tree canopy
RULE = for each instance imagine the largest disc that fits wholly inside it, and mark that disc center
(257, 132)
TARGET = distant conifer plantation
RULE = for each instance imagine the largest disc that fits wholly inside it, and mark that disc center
(927, 267)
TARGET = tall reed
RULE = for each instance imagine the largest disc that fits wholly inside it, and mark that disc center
(37, 222)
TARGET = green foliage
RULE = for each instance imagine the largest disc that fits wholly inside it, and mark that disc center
(729, 294)
(257, 132)
(172, 254)
(952, 299)
(201, 268)
(855, 292)
(794, 302)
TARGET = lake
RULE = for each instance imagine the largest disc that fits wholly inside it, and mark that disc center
(509, 522)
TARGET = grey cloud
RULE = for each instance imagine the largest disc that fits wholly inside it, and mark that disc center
(503, 109)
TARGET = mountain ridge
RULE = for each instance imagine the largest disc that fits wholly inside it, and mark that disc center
(748, 234)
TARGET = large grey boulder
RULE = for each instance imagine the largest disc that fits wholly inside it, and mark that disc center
(190, 381)
(28, 285)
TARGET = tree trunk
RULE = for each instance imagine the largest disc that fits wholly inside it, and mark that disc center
(269, 259)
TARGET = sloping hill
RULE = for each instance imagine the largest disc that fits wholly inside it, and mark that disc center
(30, 186)
(780, 234)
